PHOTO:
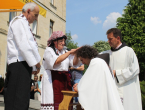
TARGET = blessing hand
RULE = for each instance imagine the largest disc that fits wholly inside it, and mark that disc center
(73, 51)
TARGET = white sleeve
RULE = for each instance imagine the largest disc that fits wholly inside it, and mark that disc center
(50, 57)
(71, 58)
(25, 43)
(34, 68)
(124, 75)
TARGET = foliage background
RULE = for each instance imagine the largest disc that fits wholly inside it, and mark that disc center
(70, 44)
(101, 46)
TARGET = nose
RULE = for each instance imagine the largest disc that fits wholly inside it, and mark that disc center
(108, 40)
(63, 42)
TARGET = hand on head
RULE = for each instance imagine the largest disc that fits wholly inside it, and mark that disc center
(73, 51)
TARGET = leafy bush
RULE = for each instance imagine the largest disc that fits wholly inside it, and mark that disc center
(142, 86)
(101, 46)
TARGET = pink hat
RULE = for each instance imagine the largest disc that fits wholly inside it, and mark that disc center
(55, 35)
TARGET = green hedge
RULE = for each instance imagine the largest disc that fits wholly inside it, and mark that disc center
(142, 85)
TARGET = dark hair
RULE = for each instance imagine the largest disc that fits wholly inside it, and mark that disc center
(60, 38)
(87, 51)
(116, 32)
(52, 44)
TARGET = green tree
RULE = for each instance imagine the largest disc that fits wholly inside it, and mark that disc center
(132, 26)
(142, 85)
(101, 46)
(70, 43)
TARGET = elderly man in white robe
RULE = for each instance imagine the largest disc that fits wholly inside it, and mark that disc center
(22, 55)
(125, 67)
(96, 89)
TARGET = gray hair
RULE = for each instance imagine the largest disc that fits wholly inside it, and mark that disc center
(30, 5)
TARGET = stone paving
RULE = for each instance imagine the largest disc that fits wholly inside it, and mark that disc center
(34, 104)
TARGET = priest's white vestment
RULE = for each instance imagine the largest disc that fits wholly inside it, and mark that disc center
(125, 62)
(97, 89)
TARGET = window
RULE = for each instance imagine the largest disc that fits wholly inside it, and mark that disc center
(34, 27)
(52, 2)
(51, 28)
(11, 15)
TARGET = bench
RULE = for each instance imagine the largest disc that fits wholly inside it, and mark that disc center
(65, 104)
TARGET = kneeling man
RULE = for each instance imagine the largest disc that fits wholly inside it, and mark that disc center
(96, 89)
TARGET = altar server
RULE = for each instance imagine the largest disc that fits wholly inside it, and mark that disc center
(124, 65)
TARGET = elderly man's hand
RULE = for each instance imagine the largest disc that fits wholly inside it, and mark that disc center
(38, 66)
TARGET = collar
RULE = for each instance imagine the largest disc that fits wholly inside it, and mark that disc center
(57, 51)
(23, 17)
(119, 47)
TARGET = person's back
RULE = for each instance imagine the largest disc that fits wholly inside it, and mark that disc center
(101, 92)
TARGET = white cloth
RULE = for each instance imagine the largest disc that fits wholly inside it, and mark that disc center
(125, 62)
(48, 62)
(21, 45)
(97, 89)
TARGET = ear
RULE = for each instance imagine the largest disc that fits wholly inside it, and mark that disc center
(118, 38)
(28, 11)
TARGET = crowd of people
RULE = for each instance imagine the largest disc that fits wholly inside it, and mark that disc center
(110, 82)
(35, 92)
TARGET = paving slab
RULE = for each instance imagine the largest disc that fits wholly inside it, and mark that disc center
(34, 104)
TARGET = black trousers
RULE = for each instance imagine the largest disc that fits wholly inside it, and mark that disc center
(17, 86)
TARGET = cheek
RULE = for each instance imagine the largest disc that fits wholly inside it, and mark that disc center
(60, 43)
(33, 17)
